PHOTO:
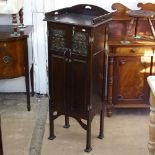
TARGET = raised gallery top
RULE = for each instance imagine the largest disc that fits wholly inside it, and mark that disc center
(83, 14)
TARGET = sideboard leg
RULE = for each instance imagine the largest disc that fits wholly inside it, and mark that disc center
(27, 92)
(88, 141)
(101, 135)
(32, 80)
(66, 122)
(109, 111)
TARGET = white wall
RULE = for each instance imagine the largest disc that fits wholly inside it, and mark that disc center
(106, 4)
(33, 15)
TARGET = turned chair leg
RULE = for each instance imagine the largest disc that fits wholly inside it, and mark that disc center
(66, 122)
(88, 138)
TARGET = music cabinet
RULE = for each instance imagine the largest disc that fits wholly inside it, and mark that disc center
(76, 43)
(14, 60)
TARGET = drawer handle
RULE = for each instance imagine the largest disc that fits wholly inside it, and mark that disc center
(132, 51)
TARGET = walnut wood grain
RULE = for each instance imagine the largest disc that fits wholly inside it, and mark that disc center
(12, 59)
(146, 6)
(120, 11)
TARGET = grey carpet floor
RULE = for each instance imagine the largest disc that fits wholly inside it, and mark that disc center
(126, 133)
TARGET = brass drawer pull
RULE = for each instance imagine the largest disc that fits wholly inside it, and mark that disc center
(132, 51)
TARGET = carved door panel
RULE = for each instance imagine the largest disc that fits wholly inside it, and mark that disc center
(130, 84)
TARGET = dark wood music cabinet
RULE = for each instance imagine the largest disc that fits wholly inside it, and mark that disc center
(76, 43)
(14, 56)
(129, 63)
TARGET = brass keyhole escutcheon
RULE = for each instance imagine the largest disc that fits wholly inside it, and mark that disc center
(6, 59)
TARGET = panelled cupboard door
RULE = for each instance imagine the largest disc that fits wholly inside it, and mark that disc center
(68, 68)
(57, 81)
(130, 84)
(78, 91)
(79, 71)
(58, 45)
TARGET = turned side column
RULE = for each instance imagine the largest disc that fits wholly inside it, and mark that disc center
(151, 143)
(110, 86)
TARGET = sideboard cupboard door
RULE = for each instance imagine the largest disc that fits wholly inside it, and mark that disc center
(12, 60)
(130, 86)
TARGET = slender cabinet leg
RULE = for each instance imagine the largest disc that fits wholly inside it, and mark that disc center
(101, 135)
(88, 138)
(51, 124)
(32, 81)
(27, 81)
(66, 122)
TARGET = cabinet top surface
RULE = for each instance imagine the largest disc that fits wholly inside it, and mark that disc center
(7, 30)
(84, 15)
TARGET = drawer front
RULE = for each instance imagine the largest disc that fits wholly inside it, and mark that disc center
(12, 58)
(133, 51)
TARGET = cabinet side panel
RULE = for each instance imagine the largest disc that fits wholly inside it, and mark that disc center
(98, 82)
(99, 38)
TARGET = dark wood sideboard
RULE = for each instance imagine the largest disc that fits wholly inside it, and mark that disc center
(14, 56)
(131, 62)
(76, 43)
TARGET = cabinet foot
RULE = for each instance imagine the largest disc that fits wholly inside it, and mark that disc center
(88, 149)
(28, 108)
(100, 136)
(66, 126)
(109, 113)
(66, 122)
(51, 137)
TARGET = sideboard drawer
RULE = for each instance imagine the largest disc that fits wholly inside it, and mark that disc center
(133, 51)
(12, 58)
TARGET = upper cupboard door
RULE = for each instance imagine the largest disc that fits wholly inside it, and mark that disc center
(80, 38)
(59, 36)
